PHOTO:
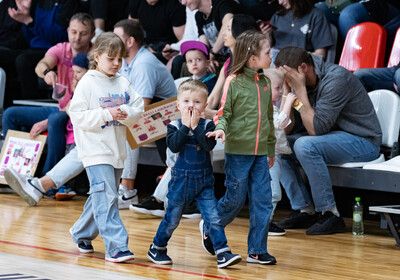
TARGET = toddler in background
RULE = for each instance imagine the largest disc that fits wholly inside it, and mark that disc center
(281, 120)
(192, 175)
(103, 103)
(197, 60)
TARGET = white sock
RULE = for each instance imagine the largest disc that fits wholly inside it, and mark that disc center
(332, 209)
(309, 210)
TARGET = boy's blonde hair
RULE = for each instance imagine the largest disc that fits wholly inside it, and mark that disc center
(108, 43)
(273, 73)
(193, 85)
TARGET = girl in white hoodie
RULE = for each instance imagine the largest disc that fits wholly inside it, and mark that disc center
(103, 103)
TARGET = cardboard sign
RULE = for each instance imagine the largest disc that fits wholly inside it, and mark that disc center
(152, 124)
(21, 153)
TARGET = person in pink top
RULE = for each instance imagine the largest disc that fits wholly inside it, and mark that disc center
(37, 120)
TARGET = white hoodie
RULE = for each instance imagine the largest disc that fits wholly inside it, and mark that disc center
(99, 139)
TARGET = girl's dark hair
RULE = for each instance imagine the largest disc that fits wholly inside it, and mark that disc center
(247, 44)
(242, 23)
(108, 43)
(300, 8)
(293, 57)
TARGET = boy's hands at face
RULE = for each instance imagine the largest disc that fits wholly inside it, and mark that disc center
(196, 115)
(186, 117)
(117, 114)
(219, 133)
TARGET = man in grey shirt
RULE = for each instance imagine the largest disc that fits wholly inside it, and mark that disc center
(334, 122)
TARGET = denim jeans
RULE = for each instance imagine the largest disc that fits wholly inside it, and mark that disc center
(276, 173)
(100, 213)
(379, 78)
(66, 169)
(131, 163)
(22, 118)
(192, 179)
(248, 175)
(314, 153)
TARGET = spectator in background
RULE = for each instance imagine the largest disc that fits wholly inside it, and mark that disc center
(380, 78)
(51, 119)
(212, 18)
(163, 22)
(260, 9)
(334, 122)
(302, 25)
(106, 13)
(44, 24)
(9, 28)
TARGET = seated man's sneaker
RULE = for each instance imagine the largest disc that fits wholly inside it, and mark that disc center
(274, 230)
(121, 257)
(126, 197)
(149, 206)
(206, 240)
(83, 248)
(226, 258)
(191, 212)
(158, 255)
(65, 193)
(261, 259)
(28, 188)
(298, 219)
(328, 223)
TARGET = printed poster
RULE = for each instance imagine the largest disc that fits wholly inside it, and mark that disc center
(21, 153)
(153, 122)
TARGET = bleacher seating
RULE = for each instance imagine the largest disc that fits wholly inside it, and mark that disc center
(394, 58)
(364, 47)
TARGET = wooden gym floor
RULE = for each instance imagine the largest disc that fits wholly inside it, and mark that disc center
(35, 244)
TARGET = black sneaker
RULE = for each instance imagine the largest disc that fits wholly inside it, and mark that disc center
(191, 212)
(226, 258)
(158, 255)
(206, 240)
(261, 259)
(328, 223)
(275, 230)
(83, 248)
(149, 206)
(298, 219)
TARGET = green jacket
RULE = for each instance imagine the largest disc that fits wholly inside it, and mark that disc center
(246, 114)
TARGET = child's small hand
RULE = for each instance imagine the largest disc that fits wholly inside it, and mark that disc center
(271, 161)
(219, 133)
(186, 117)
(194, 120)
(290, 98)
(118, 114)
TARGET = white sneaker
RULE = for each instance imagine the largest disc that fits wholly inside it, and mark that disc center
(28, 188)
(126, 197)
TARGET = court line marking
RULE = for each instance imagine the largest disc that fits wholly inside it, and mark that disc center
(100, 258)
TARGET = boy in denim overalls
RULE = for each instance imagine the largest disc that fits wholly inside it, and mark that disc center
(192, 175)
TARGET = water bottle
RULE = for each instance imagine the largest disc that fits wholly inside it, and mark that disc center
(358, 226)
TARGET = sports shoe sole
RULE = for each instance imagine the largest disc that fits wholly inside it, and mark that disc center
(16, 186)
(251, 260)
(64, 196)
(201, 228)
(158, 262)
(158, 213)
(232, 261)
(272, 233)
(192, 216)
(84, 251)
(122, 259)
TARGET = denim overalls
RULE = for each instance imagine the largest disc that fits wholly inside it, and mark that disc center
(192, 179)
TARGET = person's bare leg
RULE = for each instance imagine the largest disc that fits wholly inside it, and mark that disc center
(129, 184)
(47, 183)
